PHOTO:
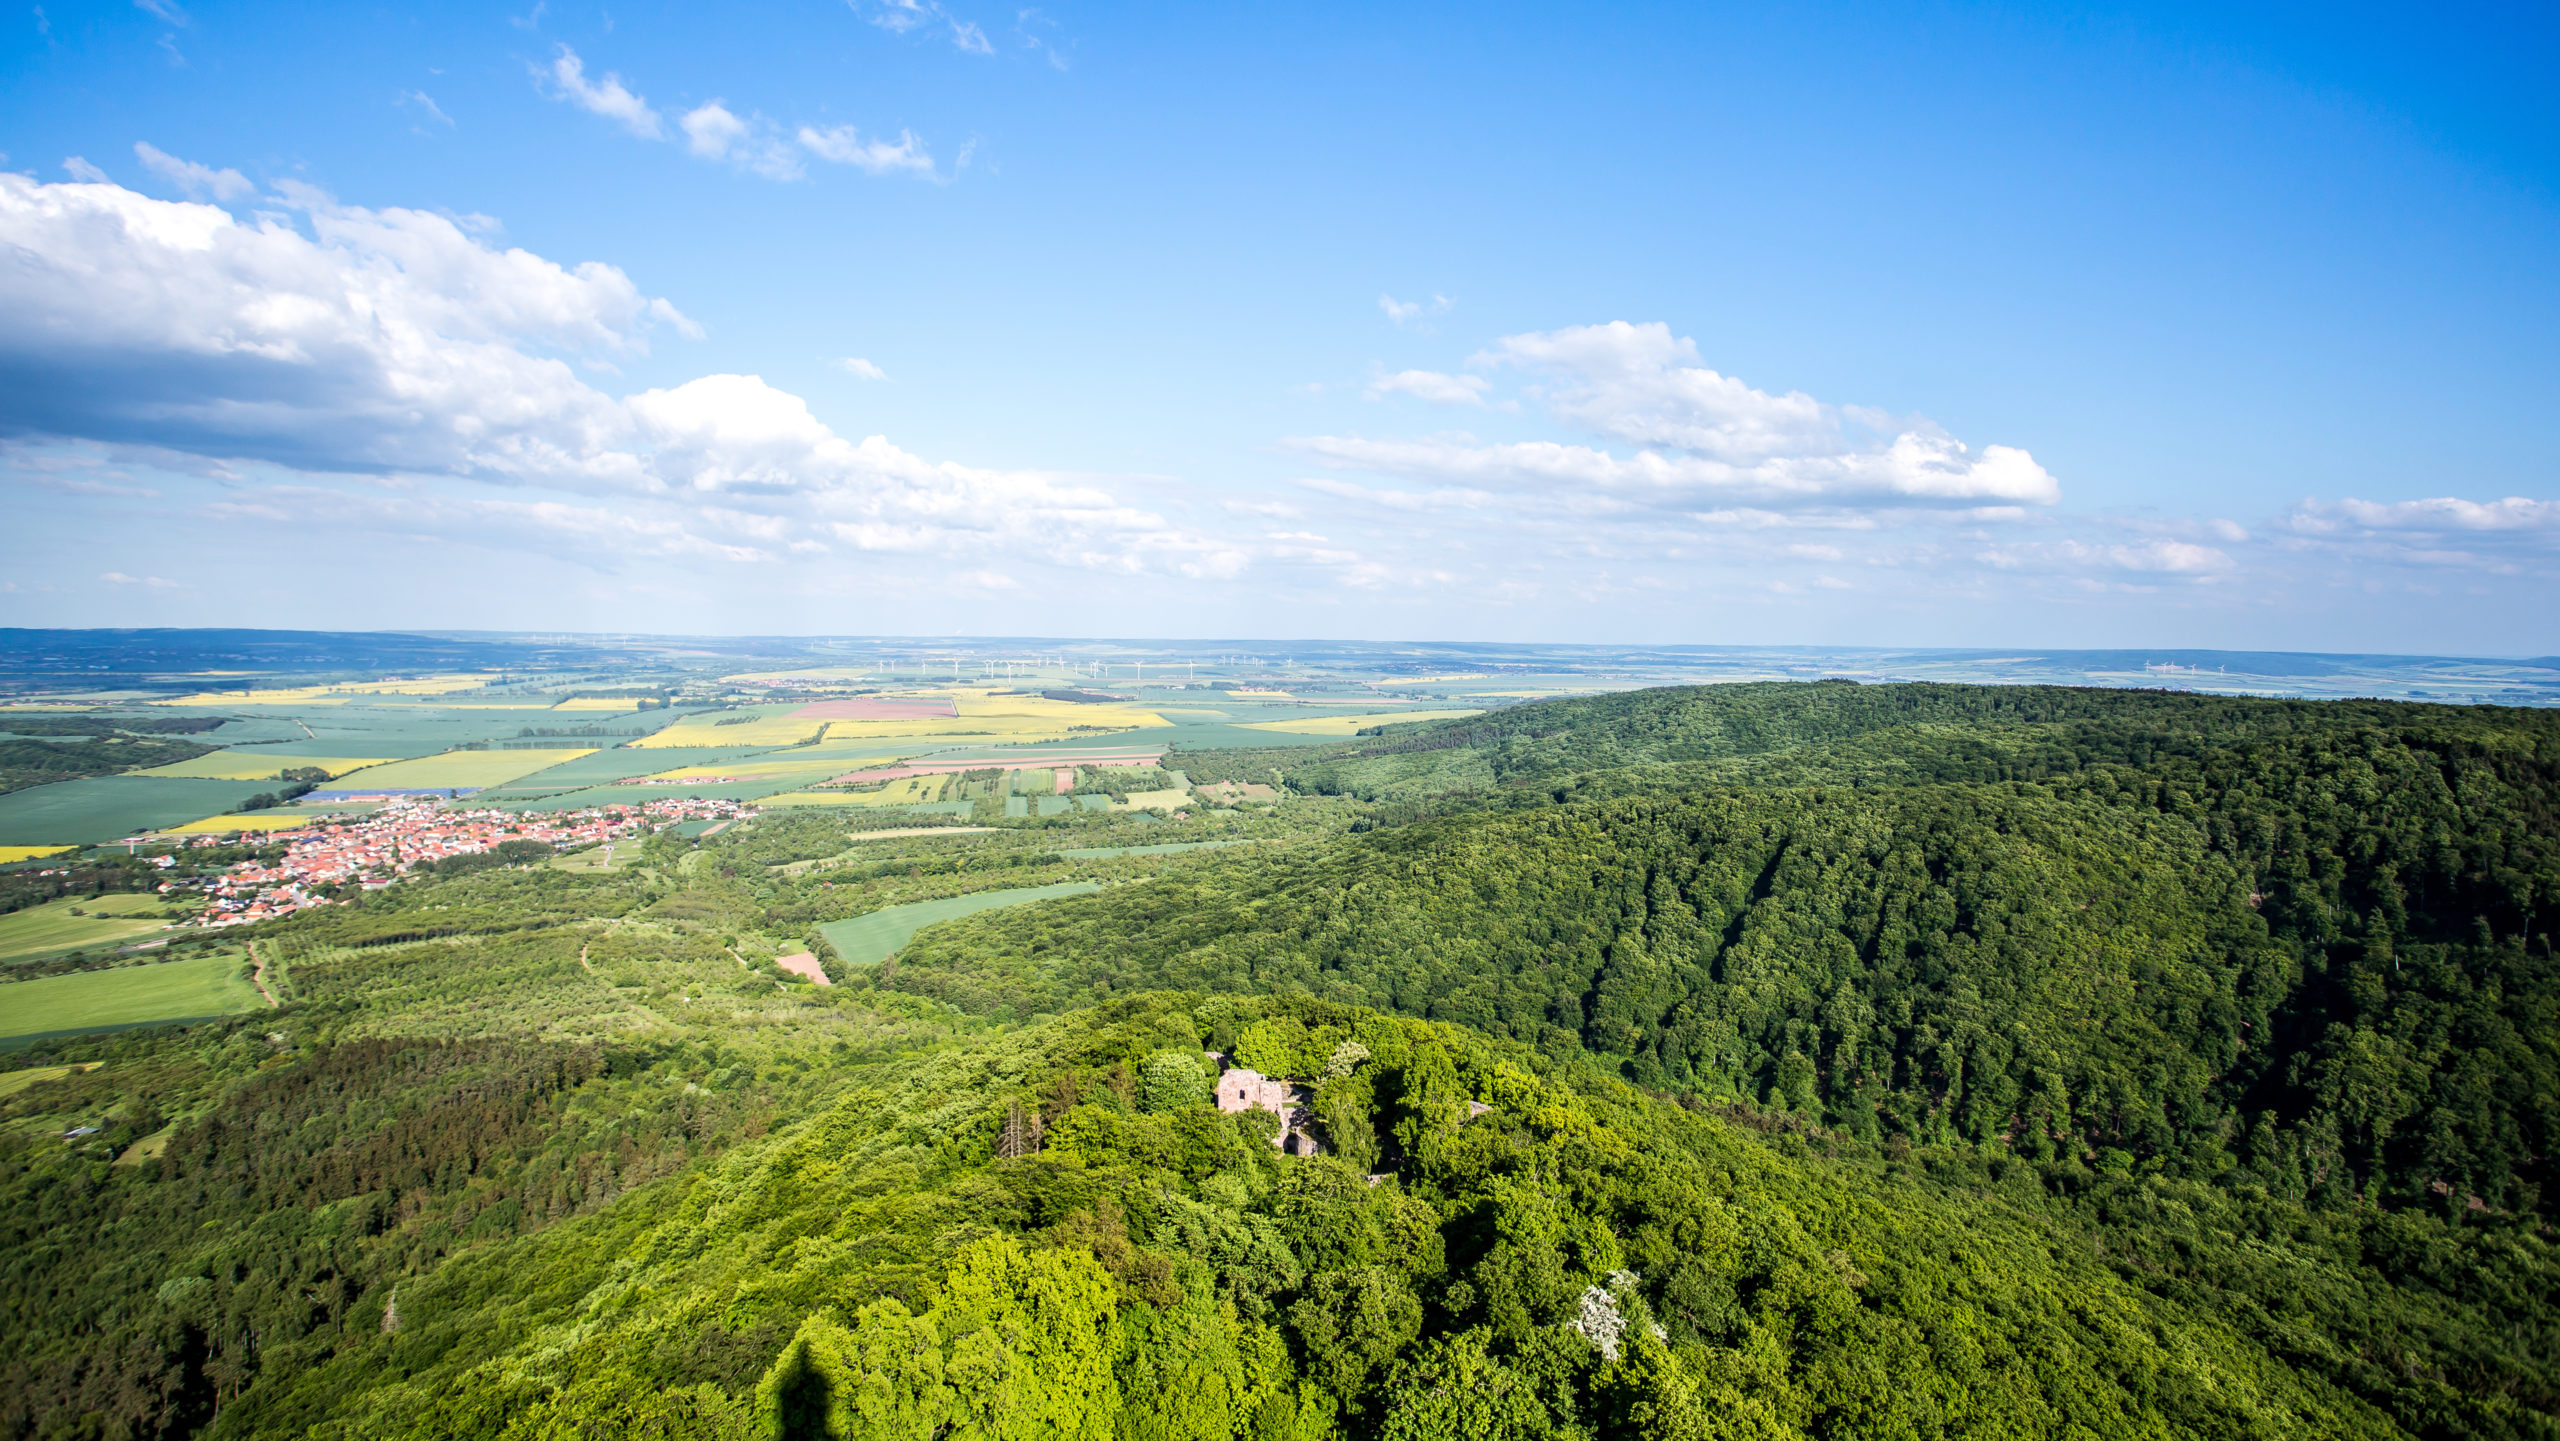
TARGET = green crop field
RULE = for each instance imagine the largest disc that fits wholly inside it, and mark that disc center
(105, 808)
(127, 995)
(40, 930)
(874, 937)
(463, 770)
(607, 766)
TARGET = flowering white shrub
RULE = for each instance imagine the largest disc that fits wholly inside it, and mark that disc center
(1599, 1320)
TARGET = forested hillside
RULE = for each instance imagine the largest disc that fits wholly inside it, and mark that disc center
(38, 750)
(1816, 1060)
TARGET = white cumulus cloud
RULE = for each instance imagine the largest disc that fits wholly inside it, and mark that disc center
(1707, 441)
(396, 344)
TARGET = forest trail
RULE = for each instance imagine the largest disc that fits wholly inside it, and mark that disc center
(258, 976)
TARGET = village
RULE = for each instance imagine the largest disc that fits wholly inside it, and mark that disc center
(330, 859)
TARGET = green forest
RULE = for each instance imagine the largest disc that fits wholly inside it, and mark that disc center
(1772, 1060)
(38, 750)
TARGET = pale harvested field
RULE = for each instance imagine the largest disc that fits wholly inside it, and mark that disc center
(1344, 725)
(260, 765)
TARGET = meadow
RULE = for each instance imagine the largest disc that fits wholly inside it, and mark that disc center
(801, 764)
(77, 922)
(215, 985)
(16, 1081)
(867, 939)
(905, 791)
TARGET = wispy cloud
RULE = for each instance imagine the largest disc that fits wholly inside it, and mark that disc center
(2513, 535)
(904, 17)
(1411, 312)
(713, 132)
(117, 577)
(749, 142)
(844, 145)
(194, 179)
(1033, 28)
(608, 97)
(426, 104)
(861, 369)
(1432, 386)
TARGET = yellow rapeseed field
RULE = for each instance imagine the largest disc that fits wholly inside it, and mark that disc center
(778, 728)
(10, 854)
(278, 820)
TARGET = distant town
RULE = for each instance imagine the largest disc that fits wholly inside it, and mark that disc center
(334, 859)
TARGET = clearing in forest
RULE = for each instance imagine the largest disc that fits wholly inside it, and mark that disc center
(129, 995)
(99, 921)
(865, 940)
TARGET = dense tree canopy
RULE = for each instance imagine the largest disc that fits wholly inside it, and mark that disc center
(1812, 1060)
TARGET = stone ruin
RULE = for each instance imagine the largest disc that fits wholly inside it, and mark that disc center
(1240, 1090)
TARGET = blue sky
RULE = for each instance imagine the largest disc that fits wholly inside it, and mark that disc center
(1912, 325)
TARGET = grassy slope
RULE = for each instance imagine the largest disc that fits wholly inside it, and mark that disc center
(105, 920)
(170, 990)
(874, 937)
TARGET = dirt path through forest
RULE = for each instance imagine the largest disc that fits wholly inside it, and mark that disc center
(258, 975)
